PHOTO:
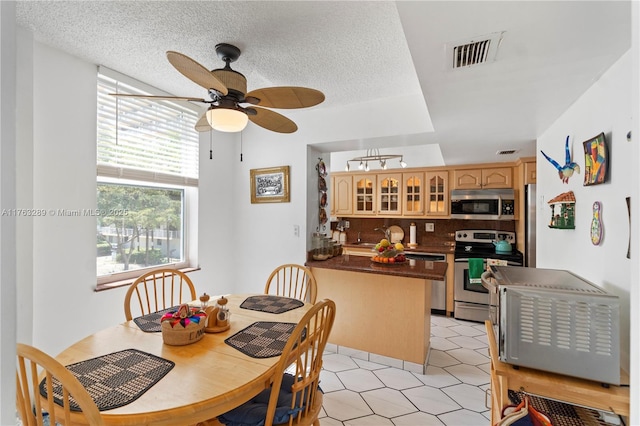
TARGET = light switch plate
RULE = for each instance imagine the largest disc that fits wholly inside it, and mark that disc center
(428, 227)
(346, 224)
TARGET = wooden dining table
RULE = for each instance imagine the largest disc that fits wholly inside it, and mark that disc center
(209, 377)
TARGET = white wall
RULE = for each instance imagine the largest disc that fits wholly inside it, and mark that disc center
(605, 107)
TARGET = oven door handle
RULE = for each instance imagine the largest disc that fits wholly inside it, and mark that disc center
(486, 278)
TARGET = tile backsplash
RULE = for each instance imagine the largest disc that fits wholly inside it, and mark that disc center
(443, 229)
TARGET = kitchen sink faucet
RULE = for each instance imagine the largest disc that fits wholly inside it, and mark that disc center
(385, 231)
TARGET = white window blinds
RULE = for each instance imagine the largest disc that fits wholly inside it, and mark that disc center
(145, 140)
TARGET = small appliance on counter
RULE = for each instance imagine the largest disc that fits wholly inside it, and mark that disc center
(554, 320)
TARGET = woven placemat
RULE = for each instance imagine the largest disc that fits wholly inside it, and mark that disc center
(115, 379)
(560, 413)
(151, 322)
(262, 339)
(271, 304)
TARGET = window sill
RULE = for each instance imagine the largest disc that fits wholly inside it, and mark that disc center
(129, 281)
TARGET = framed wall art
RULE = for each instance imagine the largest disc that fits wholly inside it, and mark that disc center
(595, 160)
(270, 185)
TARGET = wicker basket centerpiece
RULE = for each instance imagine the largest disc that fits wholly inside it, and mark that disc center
(184, 326)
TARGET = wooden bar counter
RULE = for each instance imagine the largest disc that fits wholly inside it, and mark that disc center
(384, 309)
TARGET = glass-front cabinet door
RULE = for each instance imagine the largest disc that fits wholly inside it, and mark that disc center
(364, 187)
(413, 187)
(389, 194)
(437, 193)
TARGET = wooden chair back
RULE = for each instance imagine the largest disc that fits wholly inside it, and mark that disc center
(33, 366)
(302, 357)
(291, 280)
(157, 290)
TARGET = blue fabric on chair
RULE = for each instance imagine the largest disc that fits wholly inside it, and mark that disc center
(254, 411)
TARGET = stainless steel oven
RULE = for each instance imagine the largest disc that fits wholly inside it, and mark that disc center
(471, 298)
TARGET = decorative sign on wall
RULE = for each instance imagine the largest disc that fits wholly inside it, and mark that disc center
(270, 185)
(596, 224)
(566, 171)
(595, 160)
(563, 211)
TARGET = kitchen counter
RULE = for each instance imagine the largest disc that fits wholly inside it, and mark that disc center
(381, 309)
(409, 269)
(439, 248)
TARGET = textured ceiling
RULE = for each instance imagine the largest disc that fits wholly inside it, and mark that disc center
(363, 53)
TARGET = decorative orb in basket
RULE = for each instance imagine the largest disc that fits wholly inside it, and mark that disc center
(184, 326)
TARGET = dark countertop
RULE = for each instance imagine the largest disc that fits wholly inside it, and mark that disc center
(410, 269)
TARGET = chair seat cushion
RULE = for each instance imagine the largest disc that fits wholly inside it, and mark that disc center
(254, 411)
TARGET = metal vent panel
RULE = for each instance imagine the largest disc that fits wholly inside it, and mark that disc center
(472, 52)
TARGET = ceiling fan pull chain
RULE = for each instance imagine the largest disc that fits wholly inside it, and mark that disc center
(241, 147)
(211, 145)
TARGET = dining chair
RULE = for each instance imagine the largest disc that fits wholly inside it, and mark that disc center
(159, 289)
(294, 397)
(33, 366)
(291, 280)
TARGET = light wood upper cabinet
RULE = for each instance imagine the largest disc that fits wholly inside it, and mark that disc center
(364, 194)
(529, 173)
(437, 194)
(389, 190)
(342, 195)
(413, 186)
(494, 177)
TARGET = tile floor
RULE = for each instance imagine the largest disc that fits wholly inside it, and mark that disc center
(365, 389)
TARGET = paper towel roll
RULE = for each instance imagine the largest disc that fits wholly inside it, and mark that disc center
(412, 233)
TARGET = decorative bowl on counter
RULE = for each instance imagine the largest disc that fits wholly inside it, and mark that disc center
(387, 253)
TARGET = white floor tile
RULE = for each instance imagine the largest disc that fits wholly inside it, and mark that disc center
(416, 419)
(329, 381)
(431, 400)
(468, 396)
(469, 374)
(345, 405)
(388, 402)
(337, 362)
(381, 359)
(437, 377)
(368, 365)
(369, 421)
(359, 380)
(443, 343)
(468, 356)
(397, 379)
(467, 330)
(441, 359)
(463, 418)
(467, 342)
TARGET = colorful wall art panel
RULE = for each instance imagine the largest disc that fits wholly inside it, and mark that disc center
(595, 160)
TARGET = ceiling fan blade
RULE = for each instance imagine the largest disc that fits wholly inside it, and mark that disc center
(158, 98)
(203, 125)
(196, 72)
(273, 121)
(287, 97)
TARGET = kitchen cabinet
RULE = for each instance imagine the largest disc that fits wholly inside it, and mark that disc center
(413, 186)
(493, 177)
(529, 173)
(342, 195)
(389, 193)
(437, 193)
(364, 194)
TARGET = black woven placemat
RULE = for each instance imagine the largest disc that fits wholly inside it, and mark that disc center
(151, 322)
(262, 339)
(271, 304)
(115, 379)
(560, 413)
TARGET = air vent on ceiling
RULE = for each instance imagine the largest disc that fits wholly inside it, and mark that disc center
(476, 51)
(506, 152)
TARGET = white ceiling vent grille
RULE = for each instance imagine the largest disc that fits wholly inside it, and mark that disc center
(476, 51)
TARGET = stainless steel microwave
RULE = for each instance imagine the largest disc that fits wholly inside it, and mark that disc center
(483, 204)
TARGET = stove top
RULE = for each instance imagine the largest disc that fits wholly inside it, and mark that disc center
(479, 243)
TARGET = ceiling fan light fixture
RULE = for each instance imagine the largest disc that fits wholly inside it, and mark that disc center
(227, 120)
(361, 166)
(346, 169)
(402, 163)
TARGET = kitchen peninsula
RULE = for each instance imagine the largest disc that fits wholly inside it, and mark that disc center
(383, 309)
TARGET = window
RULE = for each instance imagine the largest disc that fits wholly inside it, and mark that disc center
(147, 166)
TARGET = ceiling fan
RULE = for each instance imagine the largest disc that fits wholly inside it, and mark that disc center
(227, 89)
